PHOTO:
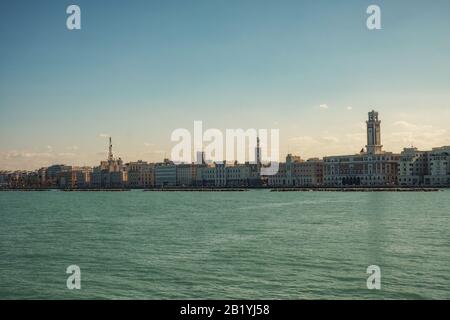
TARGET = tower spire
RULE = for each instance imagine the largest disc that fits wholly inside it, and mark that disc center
(110, 154)
(258, 151)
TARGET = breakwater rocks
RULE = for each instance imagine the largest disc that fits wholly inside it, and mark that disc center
(199, 189)
(25, 189)
(65, 190)
(365, 189)
(96, 190)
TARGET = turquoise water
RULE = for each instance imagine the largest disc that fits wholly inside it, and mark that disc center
(224, 245)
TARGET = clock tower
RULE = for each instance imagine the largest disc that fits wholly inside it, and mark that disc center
(373, 134)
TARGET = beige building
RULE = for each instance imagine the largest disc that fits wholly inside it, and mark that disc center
(75, 177)
(296, 172)
(304, 173)
(140, 174)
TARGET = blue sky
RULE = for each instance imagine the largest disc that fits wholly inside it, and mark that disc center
(137, 70)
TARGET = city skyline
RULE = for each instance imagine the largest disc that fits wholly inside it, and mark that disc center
(373, 166)
(310, 70)
(367, 148)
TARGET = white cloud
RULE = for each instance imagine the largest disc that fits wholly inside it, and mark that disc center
(315, 141)
(349, 108)
(66, 154)
(357, 137)
(405, 133)
(104, 135)
(308, 146)
(323, 106)
(14, 154)
(25, 160)
(330, 139)
(404, 124)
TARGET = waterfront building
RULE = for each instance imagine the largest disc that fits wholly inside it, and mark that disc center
(280, 178)
(42, 175)
(296, 172)
(83, 176)
(229, 175)
(165, 174)
(67, 178)
(54, 174)
(438, 167)
(21, 179)
(305, 173)
(225, 174)
(141, 174)
(429, 168)
(220, 179)
(245, 175)
(187, 174)
(75, 177)
(413, 167)
(4, 181)
(371, 167)
(206, 176)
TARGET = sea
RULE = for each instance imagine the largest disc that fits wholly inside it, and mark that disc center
(255, 244)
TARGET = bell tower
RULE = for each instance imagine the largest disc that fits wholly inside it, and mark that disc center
(373, 134)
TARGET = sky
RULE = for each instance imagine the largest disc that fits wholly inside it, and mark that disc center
(138, 70)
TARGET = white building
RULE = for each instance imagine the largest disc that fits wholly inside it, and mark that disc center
(413, 166)
(429, 168)
(206, 176)
(227, 175)
(439, 167)
(165, 174)
(187, 174)
(279, 179)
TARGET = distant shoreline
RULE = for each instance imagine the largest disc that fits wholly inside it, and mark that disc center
(241, 189)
